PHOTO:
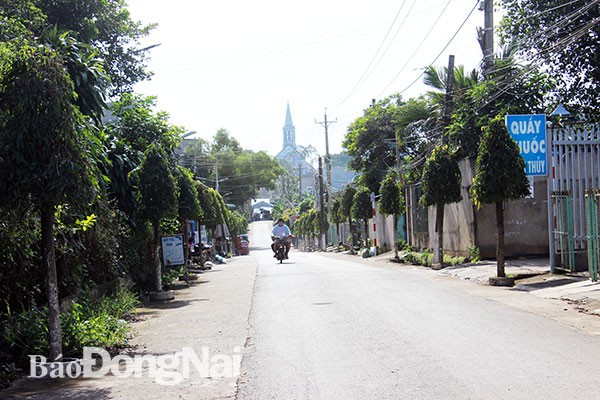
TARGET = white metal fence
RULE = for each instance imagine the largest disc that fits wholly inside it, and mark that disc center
(574, 153)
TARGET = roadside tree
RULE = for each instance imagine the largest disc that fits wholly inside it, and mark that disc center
(441, 186)
(362, 209)
(346, 210)
(156, 197)
(500, 177)
(43, 141)
(392, 202)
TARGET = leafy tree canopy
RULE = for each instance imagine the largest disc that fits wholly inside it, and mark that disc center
(510, 89)
(441, 178)
(565, 37)
(500, 169)
(392, 200)
(43, 140)
(370, 141)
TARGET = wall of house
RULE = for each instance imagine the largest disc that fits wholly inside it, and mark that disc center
(526, 222)
(525, 225)
(459, 224)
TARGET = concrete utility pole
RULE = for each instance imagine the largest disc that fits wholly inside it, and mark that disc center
(322, 208)
(448, 100)
(438, 243)
(326, 124)
(488, 37)
(299, 182)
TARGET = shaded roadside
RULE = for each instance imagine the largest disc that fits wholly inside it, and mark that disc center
(210, 315)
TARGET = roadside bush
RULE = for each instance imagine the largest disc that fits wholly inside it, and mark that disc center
(89, 322)
(425, 258)
(98, 323)
(474, 254)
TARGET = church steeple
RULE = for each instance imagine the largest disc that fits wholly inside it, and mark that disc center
(289, 131)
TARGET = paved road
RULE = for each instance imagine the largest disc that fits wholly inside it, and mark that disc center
(325, 328)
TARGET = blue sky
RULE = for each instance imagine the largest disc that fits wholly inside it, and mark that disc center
(236, 64)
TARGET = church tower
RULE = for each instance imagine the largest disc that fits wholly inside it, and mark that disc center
(289, 131)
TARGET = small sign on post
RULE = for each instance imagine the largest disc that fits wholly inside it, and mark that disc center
(529, 131)
(172, 250)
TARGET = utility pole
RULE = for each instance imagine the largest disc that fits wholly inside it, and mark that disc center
(299, 182)
(217, 175)
(448, 100)
(326, 124)
(438, 243)
(488, 37)
(322, 208)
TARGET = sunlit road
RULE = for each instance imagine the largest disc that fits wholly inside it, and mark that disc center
(331, 328)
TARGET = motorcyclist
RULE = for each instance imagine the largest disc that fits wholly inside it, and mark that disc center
(281, 230)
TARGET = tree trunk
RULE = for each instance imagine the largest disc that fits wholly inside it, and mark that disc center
(337, 228)
(351, 236)
(186, 247)
(500, 238)
(438, 256)
(156, 255)
(49, 259)
(395, 237)
(366, 222)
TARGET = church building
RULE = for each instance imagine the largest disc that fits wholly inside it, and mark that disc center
(291, 159)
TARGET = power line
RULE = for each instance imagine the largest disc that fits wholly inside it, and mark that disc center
(360, 80)
(440, 53)
(418, 47)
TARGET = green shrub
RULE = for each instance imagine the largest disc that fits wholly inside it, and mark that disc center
(474, 253)
(8, 373)
(98, 323)
(89, 322)
(170, 274)
(26, 333)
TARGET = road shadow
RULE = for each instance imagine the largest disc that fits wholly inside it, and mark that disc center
(529, 287)
(52, 389)
(168, 305)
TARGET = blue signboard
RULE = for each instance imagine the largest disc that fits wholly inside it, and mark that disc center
(529, 131)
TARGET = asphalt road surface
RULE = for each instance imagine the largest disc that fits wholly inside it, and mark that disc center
(332, 328)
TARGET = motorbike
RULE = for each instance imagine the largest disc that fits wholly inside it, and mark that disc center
(280, 249)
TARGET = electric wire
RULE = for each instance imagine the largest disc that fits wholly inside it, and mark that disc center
(363, 76)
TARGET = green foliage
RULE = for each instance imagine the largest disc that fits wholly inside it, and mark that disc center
(392, 198)
(367, 141)
(188, 202)
(40, 138)
(562, 36)
(474, 253)
(347, 202)
(476, 104)
(100, 322)
(308, 223)
(156, 191)
(169, 275)
(500, 169)
(238, 222)
(425, 259)
(89, 322)
(362, 207)
(441, 178)
(25, 332)
(107, 27)
(336, 217)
